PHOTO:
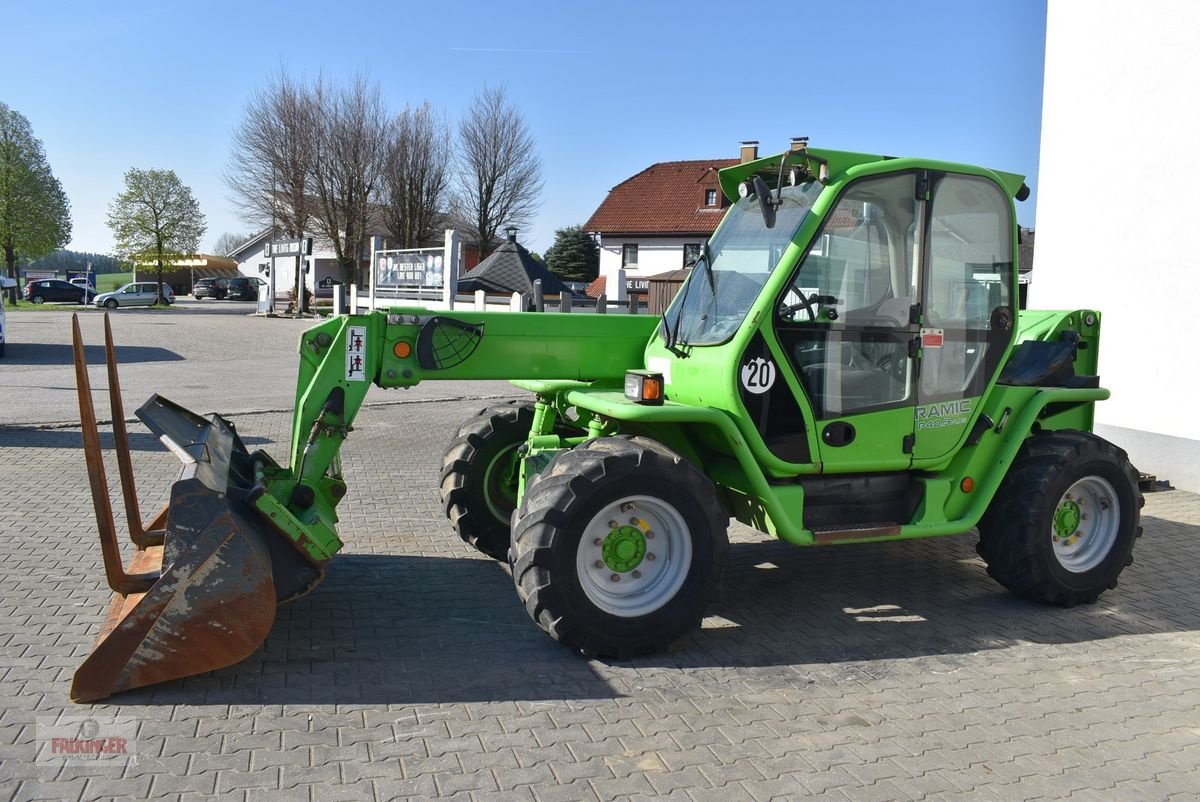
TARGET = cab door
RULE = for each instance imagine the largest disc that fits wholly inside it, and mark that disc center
(966, 308)
(847, 323)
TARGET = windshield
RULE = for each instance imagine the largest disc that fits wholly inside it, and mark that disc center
(734, 267)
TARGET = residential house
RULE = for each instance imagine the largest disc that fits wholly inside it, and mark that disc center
(656, 221)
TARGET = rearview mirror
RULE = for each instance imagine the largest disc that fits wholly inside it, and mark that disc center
(766, 204)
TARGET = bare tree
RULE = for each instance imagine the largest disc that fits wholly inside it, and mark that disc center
(499, 180)
(272, 158)
(228, 242)
(349, 157)
(416, 175)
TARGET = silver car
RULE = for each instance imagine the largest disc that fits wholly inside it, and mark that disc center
(139, 293)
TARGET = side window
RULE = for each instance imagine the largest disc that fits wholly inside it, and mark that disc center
(970, 252)
(968, 285)
(845, 313)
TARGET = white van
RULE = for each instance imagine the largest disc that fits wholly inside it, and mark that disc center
(5, 285)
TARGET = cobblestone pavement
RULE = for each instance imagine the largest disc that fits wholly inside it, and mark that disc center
(886, 672)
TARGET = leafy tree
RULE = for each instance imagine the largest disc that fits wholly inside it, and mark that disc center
(574, 256)
(35, 218)
(156, 218)
(499, 179)
(64, 261)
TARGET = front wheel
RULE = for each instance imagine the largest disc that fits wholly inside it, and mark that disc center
(110, 304)
(618, 547)
(1064, 520)
(37, 299)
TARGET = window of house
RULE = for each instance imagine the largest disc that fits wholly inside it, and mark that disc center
(691, 253)
(629, 254)
(710, 197)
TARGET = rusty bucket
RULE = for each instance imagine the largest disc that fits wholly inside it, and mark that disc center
(207, 571)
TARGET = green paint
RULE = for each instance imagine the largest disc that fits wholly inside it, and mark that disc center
(575, 364)
(1067, 518)
(624, 548)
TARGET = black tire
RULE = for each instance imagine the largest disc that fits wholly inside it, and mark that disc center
(570, 500)
(1051, 533)
(111, 303)
(478, 498)
(37, 299)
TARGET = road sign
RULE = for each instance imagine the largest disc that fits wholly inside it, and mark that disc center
(327, 282)
(289, 247)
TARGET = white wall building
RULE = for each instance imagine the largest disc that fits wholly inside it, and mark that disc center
(252, 261)
(1118, 202)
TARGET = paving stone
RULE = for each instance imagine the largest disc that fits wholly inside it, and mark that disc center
(412, 672)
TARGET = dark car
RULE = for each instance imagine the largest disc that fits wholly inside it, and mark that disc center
(57, 290)
(209, 288)
(243, 288)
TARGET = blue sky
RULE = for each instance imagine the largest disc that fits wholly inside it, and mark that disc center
(606, 88)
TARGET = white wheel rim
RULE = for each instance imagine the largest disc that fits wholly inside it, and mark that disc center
(621, 577)
(1085, 524)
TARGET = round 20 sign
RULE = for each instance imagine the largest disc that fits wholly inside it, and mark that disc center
(758, 375)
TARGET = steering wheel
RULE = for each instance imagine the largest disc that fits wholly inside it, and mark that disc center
(789, 311)
(806, 303)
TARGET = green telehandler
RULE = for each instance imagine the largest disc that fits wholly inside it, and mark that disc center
(846, 363)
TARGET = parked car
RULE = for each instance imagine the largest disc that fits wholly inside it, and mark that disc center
(243, 288)
(138, 293)
(6, 284)
(80, 281)
(209, 288)
(57, 290)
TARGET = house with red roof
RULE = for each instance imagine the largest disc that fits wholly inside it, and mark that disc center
(655, 221)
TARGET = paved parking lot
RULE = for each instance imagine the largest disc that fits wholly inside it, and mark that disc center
(895, 671)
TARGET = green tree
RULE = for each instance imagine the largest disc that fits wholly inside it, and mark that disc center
(35, 218)
(156, 219)
(574, 256)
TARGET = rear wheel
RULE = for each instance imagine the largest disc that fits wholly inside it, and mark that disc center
(111, 303)
(37, 299)
(1063, 523)
(618, 547)
(480, 473)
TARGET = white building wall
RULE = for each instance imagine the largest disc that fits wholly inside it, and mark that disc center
(1118, 208)
(655, 254)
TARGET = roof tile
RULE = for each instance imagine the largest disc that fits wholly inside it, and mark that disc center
(665, 198)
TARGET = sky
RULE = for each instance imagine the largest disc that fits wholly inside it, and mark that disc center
(606, 88)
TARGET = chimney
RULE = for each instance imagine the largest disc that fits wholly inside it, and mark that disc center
(749, 150)
(511, 231)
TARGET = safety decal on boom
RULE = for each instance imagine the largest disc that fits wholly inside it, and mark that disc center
(356, 354)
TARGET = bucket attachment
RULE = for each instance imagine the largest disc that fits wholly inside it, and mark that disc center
(207, 571)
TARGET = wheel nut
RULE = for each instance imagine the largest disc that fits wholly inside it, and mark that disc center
(1056, 539)
(649, 534)
(613, 524)
(637, 574)
(650, 556)
(600, 563)
(598, 542)
(615, 577)
(634, 520)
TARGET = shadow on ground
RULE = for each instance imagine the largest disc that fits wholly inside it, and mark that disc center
(400, 630)
(60, 354)
(35, 437)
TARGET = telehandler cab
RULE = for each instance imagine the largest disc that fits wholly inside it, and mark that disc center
(846, 363)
